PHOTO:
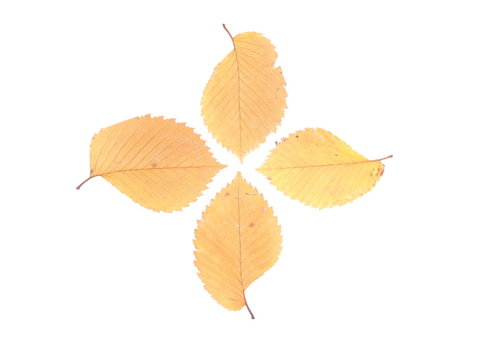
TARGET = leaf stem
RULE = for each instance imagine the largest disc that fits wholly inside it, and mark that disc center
(228, 32)
(386, 157)
(249, 310)
(84, 181)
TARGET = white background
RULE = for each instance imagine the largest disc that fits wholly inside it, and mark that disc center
(91, 275)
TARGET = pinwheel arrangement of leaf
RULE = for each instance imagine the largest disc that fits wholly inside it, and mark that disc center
(164, 165)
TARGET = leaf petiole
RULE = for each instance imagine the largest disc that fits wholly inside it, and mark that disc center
(83, 182)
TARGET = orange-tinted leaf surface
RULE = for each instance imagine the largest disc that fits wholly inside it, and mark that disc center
(244, 100)
(236, 241)
(317, 168)
(160, 164)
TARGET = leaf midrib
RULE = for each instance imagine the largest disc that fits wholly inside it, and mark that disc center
(318, 166)
(161, 168)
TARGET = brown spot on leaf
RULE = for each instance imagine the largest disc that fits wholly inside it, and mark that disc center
(251, 224)
(153, 164)
(227, 194)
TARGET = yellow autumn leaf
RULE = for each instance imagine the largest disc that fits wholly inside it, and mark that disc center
(236, 241)
(158, 163)
(317, 168)
(244, 100)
